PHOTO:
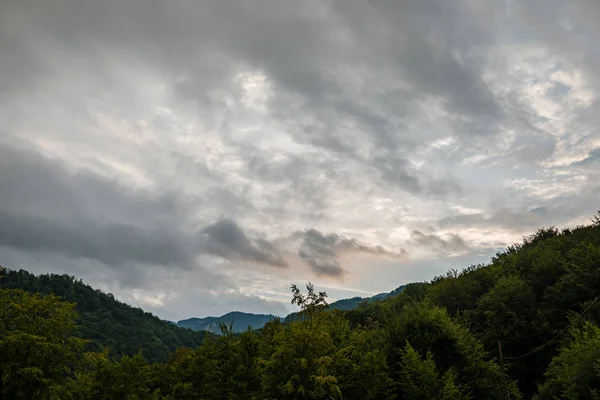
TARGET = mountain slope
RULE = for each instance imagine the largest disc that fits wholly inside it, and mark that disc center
(352, 303)
(107, 321)
(537, 299)
(239, 320)
(526, 325)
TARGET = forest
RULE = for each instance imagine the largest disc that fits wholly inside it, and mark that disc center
(106, 322)
(524, 326)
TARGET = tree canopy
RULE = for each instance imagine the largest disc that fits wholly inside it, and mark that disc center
(105, 321)
(526, 325)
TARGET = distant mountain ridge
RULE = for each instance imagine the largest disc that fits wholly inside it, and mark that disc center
(240, 321)
(353, 302)
(127, 330)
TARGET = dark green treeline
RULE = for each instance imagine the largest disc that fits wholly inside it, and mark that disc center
(524, 326)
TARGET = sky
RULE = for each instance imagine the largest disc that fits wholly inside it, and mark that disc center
(198, 157)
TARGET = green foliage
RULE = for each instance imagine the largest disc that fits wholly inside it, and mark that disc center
(37, 348)
(303, 360)
(575, 372)
(129, 378)
(453, 348)
(363, 365)
(107, 322)
(311, 303)
(420, 379)
(506, 311)
(492, 331)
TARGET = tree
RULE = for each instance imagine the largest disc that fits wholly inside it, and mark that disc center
(507, 312)
(434, 340)
(311, 303)
(420, 379)
(106, 322)
(362, 366)
(453, 346)
(575, 372)
(128, 378)
(37, 349)
(303, 361)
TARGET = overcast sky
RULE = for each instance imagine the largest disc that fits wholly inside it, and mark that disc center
(197, 157)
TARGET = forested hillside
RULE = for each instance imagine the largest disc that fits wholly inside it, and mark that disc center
(106, 321)
(524, 326)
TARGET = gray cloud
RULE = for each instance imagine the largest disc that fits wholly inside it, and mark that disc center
(297, 49)
(322, 251)
(592, 158)
(173, 293)
(226, 239)
(112, 244)
(127, 127)
(453, 244)
(45, 207)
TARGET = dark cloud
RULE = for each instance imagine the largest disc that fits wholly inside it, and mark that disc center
(592, 158)
(113, 243)
(566, 27)
(226, 239)
(43, 206)
(184, 293)
(453, 244)
(285, 116)
(323, 251)
(35, 184)
(323, 266)
(299, 48)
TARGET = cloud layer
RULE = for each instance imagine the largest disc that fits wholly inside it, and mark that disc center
(198, 157)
